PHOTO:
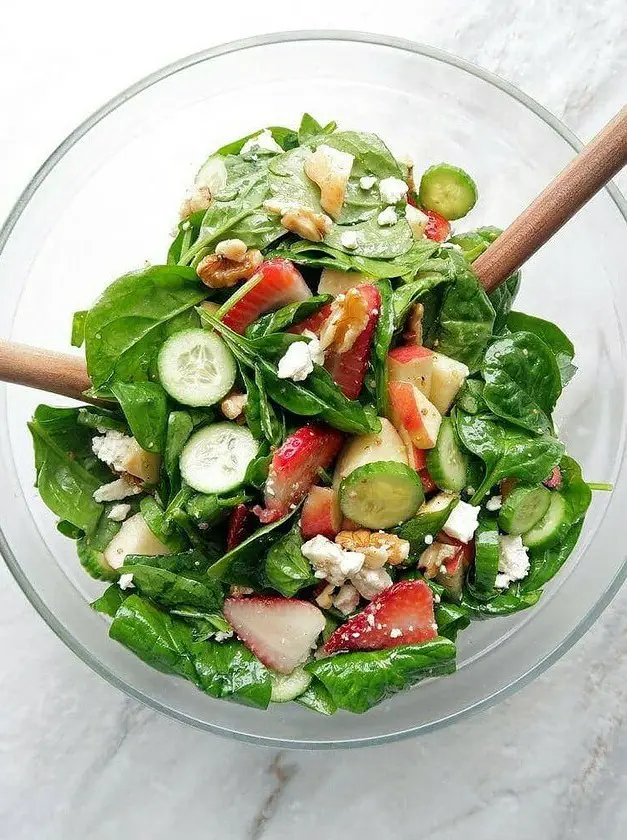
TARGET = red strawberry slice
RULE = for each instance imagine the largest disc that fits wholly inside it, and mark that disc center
(400, 615)
(294, 468)
(428, 484)
(279, 631)
(321, 513)
(466, 551)
(240, 526)
(313, 323)
(276, 283)
(349, 369)
(438, 228)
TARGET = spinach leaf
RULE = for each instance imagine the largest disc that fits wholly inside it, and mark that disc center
(506, 451)
(91, 546)
(179, 428)
(470, 397)
(374, 241)
(286, 317)
(406, 295)
(192, 562)
(317, 698)
(427, 521)
(172, 590)
(384, 333)
(451, 620)
(285, 137)
(288, 182)
(272, 428)
(210, 509)
(78, 328)
(358, 681)
(522, 381)
(286, 569)
(546, 562)
(97, 418)
(145, 406)
(154, 517)
(111, 600)
(575, 490)
(310, 129)
(205, 625)
(552, 336)
(222, 669)
(68, 530)
(502, 299)
(512, 601)
(133, 317)
(188, 230)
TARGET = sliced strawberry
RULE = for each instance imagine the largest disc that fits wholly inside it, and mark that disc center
(279, 631)
(349, 525)
(349, 369)
(554, 481)
(428, 484)
(240, 526)
(400, 615)
(321, 513)
(466, 550)
(313, 323)
(275, 283)
(438, 228)
(455, 567)
(295, 466)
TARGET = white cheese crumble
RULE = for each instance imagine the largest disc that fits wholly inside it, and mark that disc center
(118, 513)
(494, 503)
(367, 182)
(371, 582)
(223, 635)
(428, 539)
(349, 240)
(300, 357)
(263, 143)
(463, 522)
(513, 561)
(126, 581)
(117, 490)
(346, 599)
(331, 561)
(387, 217)
(417, 220)
(395, 633)
(114, 448)
(392, 190)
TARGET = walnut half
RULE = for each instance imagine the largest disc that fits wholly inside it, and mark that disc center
(219, 272)
(379, 548)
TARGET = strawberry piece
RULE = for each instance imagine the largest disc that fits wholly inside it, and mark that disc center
(279, 631)
(438, 228)
(466, 551)
(321, 513)
(554, 481)
(276, 283)
(240, 526)
(428, 484)
(349, 369)
(294, 468)
(313, 323)
(400, 615)
(349, 525)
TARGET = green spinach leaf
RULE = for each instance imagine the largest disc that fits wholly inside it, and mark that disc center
(111, 600)
(311, 129)
(173, 590)
(507, 603)
(179, 428)
(286, 568)
(94, 417)
(546, 562)
(373, 240)
(317, 698)
(286, 317)
(78, 328)
(145, 406)
(552, 336)
(384, 333)
(451, 620)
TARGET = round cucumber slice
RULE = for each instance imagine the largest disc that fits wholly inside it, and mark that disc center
(381, 494)
(486, 554)
(552, 526)
(523, 509)
(196, 367)
(215, 458)
(448, 190)
(447, 464)
(286, 687)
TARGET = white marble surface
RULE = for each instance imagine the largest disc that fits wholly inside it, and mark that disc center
(78, 759)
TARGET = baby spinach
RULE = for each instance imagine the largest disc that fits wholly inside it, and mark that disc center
(272, 428)
(451, 620)
(552, 336)
(145, 406)
(154, 517)
(358, 681)
(311, 129)
(317, 698)
(374, 241)
(409, 293)
(506, 603)
(506, 451)
(425, 522)
(132, 318)
(384, 333)
(187, 233)
(78, 328)
(285, 137)
(470, 397)
(172, 590)
(502, 299)
(222, 669)
(522, 381)
(546, 562)
(210, 509)
(111, 600)
(286, 568)
(286, 317)
(95, 417)
(179, 428)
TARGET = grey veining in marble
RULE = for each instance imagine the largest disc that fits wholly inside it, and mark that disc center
(80, 760)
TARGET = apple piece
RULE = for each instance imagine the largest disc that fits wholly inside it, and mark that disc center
(412, 364)
(413, 412)
(447, 377)
(453, 570)
(339, 282)
(385, 445)
(321, 513)
(134, 537)
(330, 169)
(142, 464)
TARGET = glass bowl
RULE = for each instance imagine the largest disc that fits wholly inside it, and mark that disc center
(106, 200)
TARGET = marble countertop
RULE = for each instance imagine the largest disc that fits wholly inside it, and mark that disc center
(77, 758)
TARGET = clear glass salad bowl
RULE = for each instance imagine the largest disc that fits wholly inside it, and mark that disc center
(104, 202)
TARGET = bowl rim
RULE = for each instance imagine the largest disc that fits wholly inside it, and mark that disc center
(42, 173)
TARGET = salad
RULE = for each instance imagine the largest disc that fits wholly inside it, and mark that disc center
(316, 449)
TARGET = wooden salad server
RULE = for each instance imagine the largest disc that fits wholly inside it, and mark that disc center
(585, 175)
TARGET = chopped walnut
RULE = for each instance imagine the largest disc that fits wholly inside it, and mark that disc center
(304, 222)
(232, 249)
(240, 591)
(218, 272)
(346, 599)
(379, 548)
(348, 319)
(233, 405)
(325, 598)
(413, 326)
(434, 556)
(200, 199)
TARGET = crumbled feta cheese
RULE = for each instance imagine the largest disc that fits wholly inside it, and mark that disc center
(297, 362)
(395, 633)
(463, 522)
(387, 217)
(494, 503)
(223, 635)
(114, 448)
(126, 581)
(117, 490)
(263, 143)
(346, 599)
(367, 182)
(232, 249)
(349, 240)
(370, 582)
(392, 190)
(428, 539)
(470, 491)
(417, 220)
(453, 246)
(118, 513)
(332, 562)
(315, 350)
(513, 561)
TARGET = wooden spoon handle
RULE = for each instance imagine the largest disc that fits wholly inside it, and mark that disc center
(584, 176)
(58, 373)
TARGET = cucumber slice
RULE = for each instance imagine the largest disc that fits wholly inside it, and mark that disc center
(523, 509)
(381, 494)
(448, 190)
(486, 554)
(215, 458)
(196, 367)
(553, 525)
(286, 687)
(447, 463)
(93, 561)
